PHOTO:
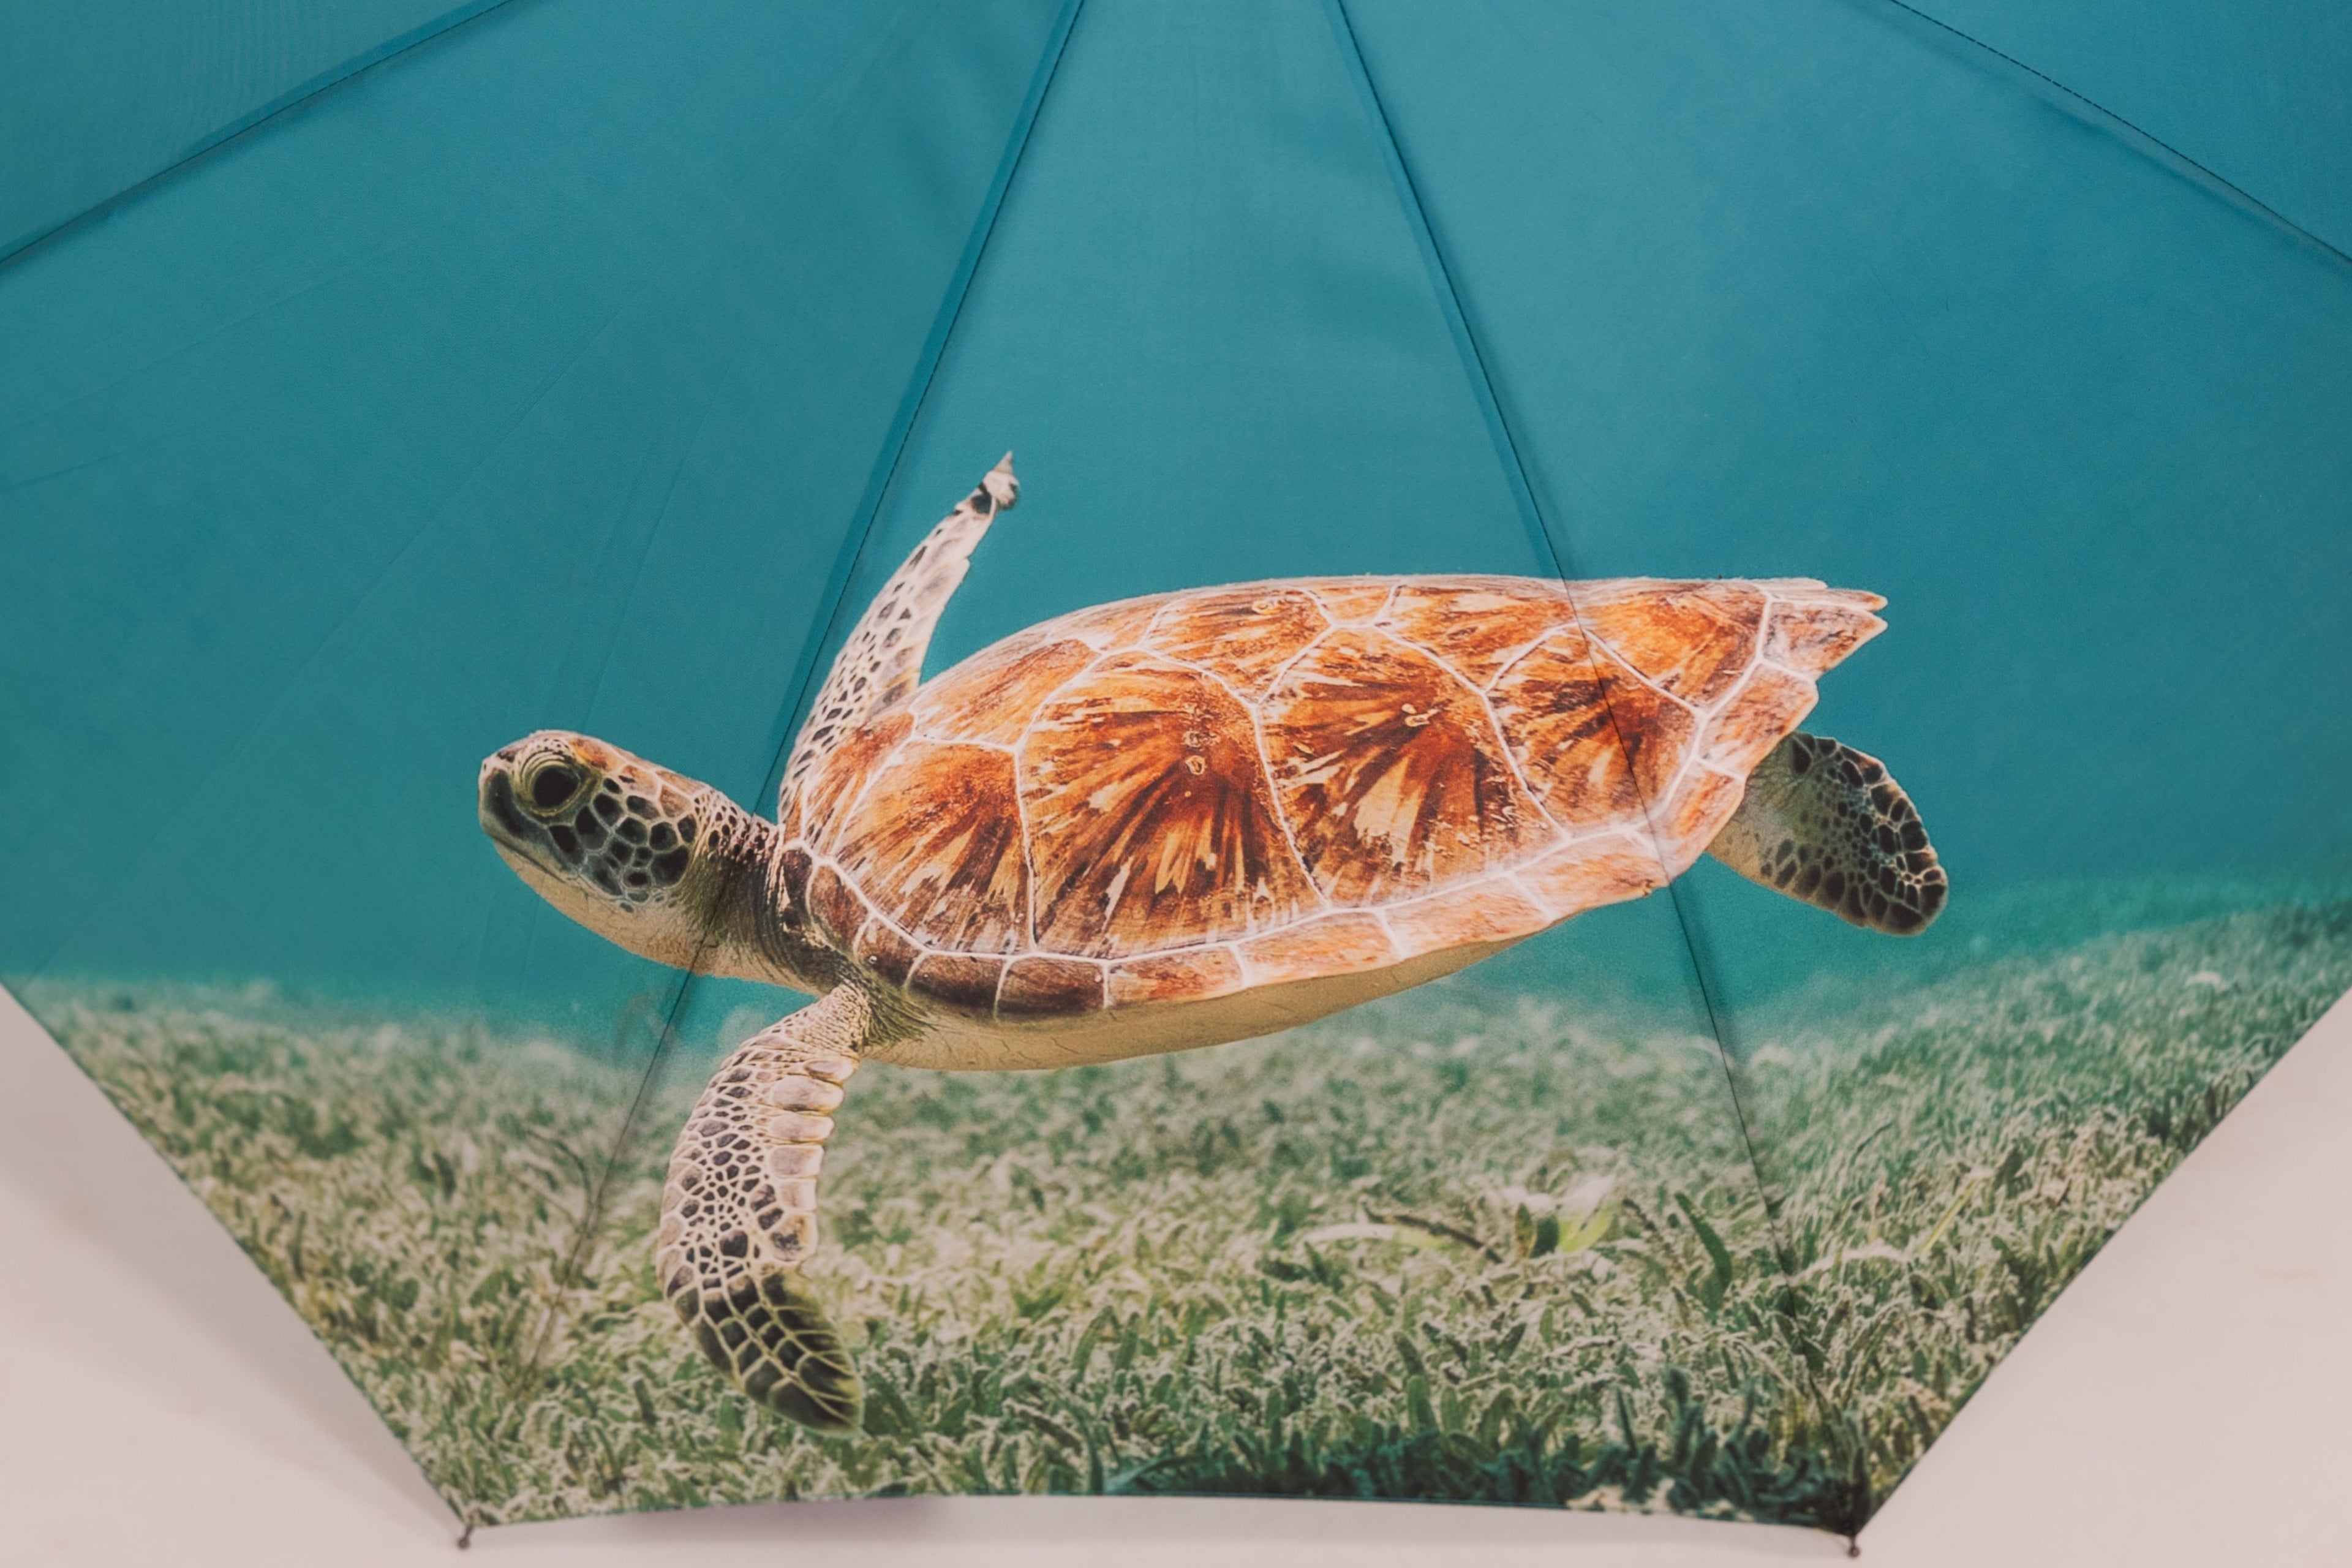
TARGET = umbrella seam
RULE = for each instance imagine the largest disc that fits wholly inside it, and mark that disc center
(2146, 143)
(1523, 490)
(222, 137)
(843, 578)
(833, 114)
(900, 434)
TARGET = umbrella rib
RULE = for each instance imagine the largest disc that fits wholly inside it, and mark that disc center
(895, 441)
(1499, 425)
(844, 574)
(2146, 143)
(237, 130)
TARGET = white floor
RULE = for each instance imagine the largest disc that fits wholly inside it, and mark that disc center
(2184, 1402)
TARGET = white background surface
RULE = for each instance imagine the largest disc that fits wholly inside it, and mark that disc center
(2183, 1403)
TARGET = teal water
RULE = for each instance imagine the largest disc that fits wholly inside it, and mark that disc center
(546, 381)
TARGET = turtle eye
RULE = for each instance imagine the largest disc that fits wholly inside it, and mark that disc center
(551, 784)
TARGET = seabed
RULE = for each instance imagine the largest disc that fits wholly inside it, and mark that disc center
(1469, 1245)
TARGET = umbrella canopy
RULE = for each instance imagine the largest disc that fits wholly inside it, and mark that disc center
(381, 391)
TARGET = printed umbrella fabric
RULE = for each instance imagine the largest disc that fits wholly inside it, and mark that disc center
(384, 387)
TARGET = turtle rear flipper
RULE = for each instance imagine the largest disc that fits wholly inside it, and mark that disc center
(739, 1213)
(1827, 824)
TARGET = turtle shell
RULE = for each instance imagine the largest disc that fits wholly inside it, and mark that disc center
(1194, 795)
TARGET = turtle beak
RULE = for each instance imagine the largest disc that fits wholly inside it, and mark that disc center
(500, 816)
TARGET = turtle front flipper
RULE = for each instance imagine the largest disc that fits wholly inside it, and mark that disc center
(883, 659)
(1824, 823)
(739, 1213)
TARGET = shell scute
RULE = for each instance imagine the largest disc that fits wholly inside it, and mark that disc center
(1188, 975)
(1113, 626)
(963, 981)
(1771, 704)
(1692, 640)
(1590, 872)
(1651, 729)
(1556, 720)
(1493, 911)
(1697, 810)
(1040, 987)
(1330, 945)
(1245, 634)
(1347, 599)
(936, 841)
(998, 689)
(1815, 628)
(834, 784)
(1389, 772)
(1475, 623)
(1152, 823)
(836, 905)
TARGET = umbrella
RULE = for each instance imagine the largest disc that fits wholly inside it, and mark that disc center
(385, 393)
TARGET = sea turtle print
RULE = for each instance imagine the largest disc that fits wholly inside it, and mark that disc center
(1177, 821)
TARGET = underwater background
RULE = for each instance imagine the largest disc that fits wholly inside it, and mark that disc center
(417, 423)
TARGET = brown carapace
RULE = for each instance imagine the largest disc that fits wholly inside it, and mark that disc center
(1195, 795)
(1177, 821)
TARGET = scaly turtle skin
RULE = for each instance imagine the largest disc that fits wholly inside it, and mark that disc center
(1177, 821)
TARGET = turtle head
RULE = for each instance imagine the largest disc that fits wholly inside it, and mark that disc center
(637, 853)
